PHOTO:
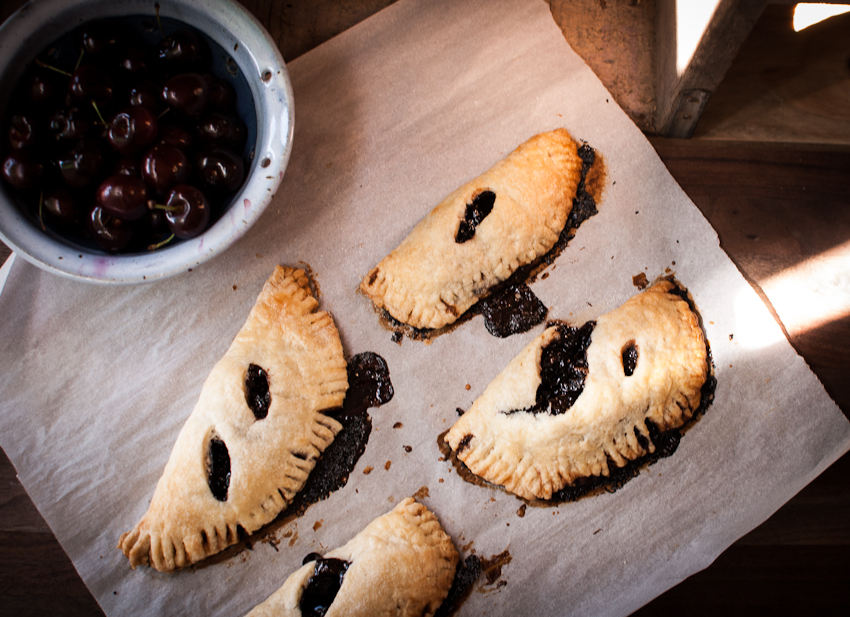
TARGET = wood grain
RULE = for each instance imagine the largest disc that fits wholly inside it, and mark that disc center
(785, 85)
(298, 27)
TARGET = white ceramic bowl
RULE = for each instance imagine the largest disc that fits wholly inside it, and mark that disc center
(239, 34)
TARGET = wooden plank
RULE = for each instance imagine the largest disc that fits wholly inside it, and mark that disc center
(298, 27)
(785, 85)
(682, 97)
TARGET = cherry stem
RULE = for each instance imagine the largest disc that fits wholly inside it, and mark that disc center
(97, 111)
(167, 109)
(44, 65)
(152, 205)
(79, 59)
(153, 247)
(158, 21)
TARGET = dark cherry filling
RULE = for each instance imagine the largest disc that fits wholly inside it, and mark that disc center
(257, 393)
(630, 358)
(369, 385)
(584, 205)
(369, 382)
(218, 468)
(563, 368)
(515, 309)
(468, 571)
(323, 585)
(477, 211)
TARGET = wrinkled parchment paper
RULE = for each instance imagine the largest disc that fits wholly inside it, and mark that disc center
(390, 117)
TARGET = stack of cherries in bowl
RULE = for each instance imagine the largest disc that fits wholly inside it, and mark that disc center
(133, 146)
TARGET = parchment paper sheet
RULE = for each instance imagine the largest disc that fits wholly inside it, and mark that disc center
(390, 117)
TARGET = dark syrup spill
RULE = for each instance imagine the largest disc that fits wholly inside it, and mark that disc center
(468, 571)
(511, 307)
(665, 442)
(369, 385)
(514, 310)
(492, 568)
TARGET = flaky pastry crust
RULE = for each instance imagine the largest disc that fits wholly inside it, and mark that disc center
(270, 458)
(535, 455)
(402, 564)
(429, 280)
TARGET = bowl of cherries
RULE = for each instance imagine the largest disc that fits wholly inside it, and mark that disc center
(140, 138)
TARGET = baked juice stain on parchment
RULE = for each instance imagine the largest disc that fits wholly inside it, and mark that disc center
(369, 385)
(469, 571)
(665, 442)
(511, 307)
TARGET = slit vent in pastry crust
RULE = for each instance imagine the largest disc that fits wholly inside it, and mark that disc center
(536, 454)
(450, 260)
(402, 563)
(196, 511)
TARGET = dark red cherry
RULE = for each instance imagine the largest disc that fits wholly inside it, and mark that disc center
(22, 170)
(147, 94)
(110, 234)
(221, 130)
(163, 167)
(133, 60)
(153, 231)
(187, 211)
(186, 93)
(176, 136)
(100, 35)
(25, 131)
(124, 197)
(181, 51)
(222, 95)
(71, 123)
(132, 130)
(91, 84)
(82, 165)
(128, 166)
(60, 207)
(153, 225)
(220, 168)
(43, 88)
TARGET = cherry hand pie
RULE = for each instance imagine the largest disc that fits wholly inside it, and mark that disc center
(480, 234)
(576, 398)
(401, 564)
(255, 433)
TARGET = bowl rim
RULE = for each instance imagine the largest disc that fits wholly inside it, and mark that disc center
(256, 54)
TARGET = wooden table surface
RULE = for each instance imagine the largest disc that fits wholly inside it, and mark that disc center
(775, 207)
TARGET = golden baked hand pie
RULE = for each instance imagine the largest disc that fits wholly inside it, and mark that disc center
(401, 564)
(576, 397)
(255, 433)
(480, 234)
